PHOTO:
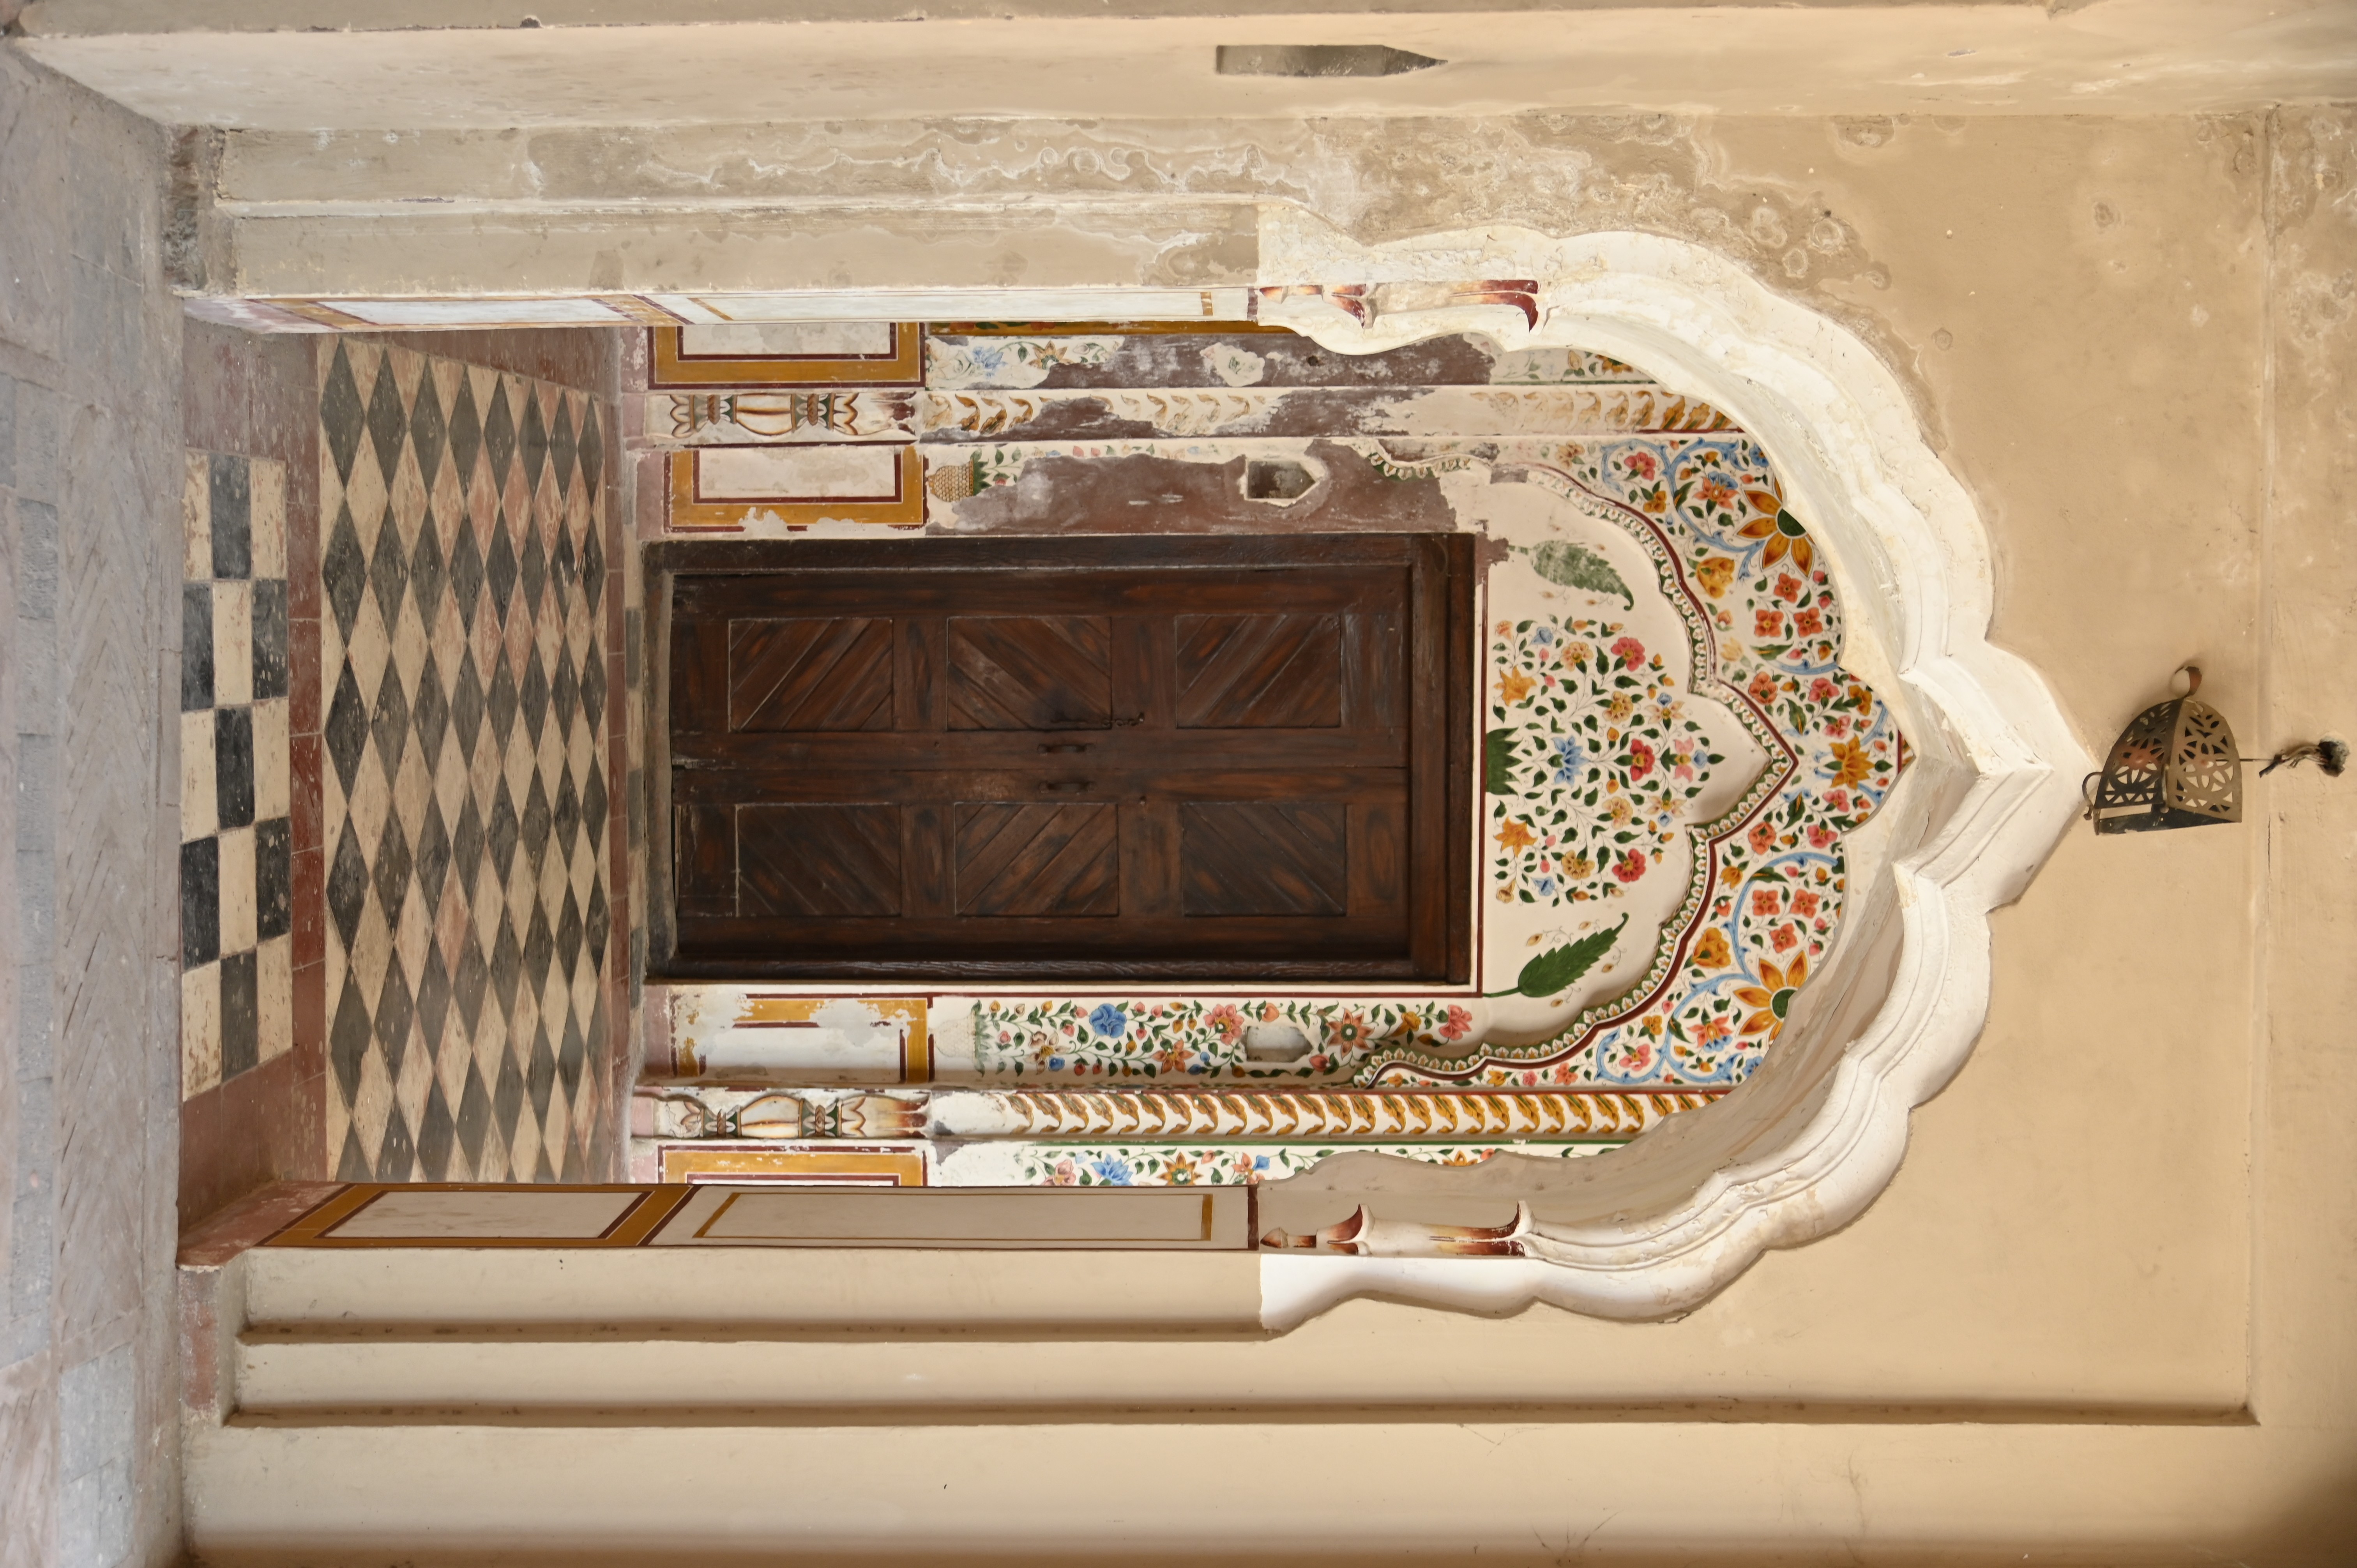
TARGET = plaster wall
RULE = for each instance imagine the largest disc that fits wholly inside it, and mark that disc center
(310, 64)
(2130, 339)
(90, 457)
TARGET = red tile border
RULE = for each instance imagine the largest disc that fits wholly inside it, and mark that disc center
(256, 1128)
(200, 1325)
(311, 1005)
(306, 762)
(310, 906)
(303, 673)
(251, 1220)
(650, 477)
(303, 587)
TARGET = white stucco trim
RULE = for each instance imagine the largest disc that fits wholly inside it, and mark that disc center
(1912, 562)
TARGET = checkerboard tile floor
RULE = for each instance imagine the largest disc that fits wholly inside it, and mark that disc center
(463, 561)
(237, 967)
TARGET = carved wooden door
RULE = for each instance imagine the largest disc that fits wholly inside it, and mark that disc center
(1069, 758)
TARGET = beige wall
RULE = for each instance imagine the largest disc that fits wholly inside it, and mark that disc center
(2103, 1314)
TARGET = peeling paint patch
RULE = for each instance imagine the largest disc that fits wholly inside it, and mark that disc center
(1145, 492)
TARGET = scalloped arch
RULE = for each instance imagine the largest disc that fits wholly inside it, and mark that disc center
(1907, 547)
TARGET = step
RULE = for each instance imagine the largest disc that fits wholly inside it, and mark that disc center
(749, 1289)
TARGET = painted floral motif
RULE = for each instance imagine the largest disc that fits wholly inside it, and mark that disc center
(1008, 361)
(1234, 1165)
(1766, 634)
(1237, 367)
(1590, 762)
(1560, 367)
(953, 473)
(1206, 1038)
(958, 472)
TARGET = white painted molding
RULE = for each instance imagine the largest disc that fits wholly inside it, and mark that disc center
(1913, 562)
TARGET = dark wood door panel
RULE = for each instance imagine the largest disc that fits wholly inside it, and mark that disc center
(710, 785)
(810, 674)
(1031, 673)
(1046, 861)
(704, 848)
(1128, 749)
(1059, 758)
(1269, 672)
(920, 590)
(1380, 876)
(1276, 857)
(1267, 944)
(833, 861)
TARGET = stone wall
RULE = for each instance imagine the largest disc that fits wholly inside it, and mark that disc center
(89, 466)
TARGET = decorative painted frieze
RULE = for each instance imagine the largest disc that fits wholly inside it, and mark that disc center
(832, 413)
(1298, 412)
(716, 1111)
(1345, 1114)
(1019, 1164)
(1311, 1038)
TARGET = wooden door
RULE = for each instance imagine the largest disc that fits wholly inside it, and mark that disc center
(1069, 758)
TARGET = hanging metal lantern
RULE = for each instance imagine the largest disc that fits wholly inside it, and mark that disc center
(2174, 766)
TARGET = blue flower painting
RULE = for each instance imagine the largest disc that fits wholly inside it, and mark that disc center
(1109, 1021)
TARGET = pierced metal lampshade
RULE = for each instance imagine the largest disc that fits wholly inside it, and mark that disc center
(2174, 766)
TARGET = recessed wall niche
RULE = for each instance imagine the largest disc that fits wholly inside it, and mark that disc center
(1667, 754)
(1880, 1018)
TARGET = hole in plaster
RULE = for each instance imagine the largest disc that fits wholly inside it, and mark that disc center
(1275, 1043)
(1276, 480)
(1318, 60)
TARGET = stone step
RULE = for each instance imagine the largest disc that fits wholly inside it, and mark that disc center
(427, 1376)
(718, 1290)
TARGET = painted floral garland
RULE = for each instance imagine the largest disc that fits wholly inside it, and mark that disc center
(1199, 1038)
(1230, 1165)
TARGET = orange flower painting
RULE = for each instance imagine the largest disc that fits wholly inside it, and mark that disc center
(1772, 997)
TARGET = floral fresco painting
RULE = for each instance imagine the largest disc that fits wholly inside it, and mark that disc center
(1705, 763)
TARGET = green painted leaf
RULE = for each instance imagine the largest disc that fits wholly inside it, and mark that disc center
(1497, 762)
(1554, 970)
(1572, 566)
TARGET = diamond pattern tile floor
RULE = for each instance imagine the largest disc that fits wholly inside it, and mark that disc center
(468, 883)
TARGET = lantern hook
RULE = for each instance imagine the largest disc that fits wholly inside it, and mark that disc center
(2331, 755)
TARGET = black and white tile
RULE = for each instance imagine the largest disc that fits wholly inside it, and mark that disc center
(237, 966)
(464, 561)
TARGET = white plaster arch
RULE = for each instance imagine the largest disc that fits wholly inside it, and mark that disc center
(1998, 765)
